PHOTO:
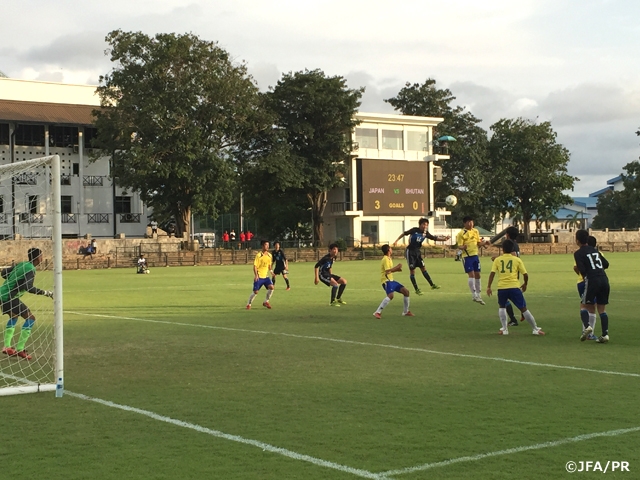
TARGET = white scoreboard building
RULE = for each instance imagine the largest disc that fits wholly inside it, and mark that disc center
(388, 181)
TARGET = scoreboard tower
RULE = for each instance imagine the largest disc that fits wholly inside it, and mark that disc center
(388, 181)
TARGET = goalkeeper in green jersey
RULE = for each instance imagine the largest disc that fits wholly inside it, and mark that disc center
(18, 280)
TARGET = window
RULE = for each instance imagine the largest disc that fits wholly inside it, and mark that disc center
(65, 203)
(63, 136)
(1, 204)
(76, 169)
(123, 205)
(32, 201)
(416, 140)
(4, 134)
(30, 135)
(367, 137)
(89, 135)
(392, 139)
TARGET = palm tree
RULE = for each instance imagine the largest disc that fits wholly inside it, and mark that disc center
(574, 222)
(548, 219)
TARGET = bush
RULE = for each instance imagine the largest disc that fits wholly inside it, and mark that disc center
(342, 244)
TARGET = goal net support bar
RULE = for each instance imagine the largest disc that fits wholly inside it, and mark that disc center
(35, 180)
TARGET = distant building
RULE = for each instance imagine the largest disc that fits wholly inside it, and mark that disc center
(387, 182)
(40, 119)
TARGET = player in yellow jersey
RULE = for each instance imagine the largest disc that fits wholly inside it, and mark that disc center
(261, 274)
(389, 285)
(469, 241)
(507, 266)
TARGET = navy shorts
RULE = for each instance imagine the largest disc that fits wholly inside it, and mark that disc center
(471, 264)
(596, 290)
(513, 294)
(414, 259)
(327, 279)
(262, 282)
(392, 286)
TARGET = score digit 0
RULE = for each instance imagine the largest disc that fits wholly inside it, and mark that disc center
(415, 205)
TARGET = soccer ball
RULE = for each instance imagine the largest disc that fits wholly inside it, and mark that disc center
(451, 201)
(146, 271)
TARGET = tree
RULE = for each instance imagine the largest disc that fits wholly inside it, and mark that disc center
(529, 170)
(173, 109)
(464, 174)
(315, 114)
(621, 209)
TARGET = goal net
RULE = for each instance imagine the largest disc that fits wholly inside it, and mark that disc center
(31, 291)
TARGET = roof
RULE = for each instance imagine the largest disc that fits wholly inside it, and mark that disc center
(614, 180)
(567, 213)
(47, 113)
(586, 202)
(602, 191)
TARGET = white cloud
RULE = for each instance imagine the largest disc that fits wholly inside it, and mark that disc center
(572, 63)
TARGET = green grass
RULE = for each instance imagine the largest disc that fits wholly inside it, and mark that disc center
(334, 384)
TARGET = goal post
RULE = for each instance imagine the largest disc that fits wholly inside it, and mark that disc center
(32, 358)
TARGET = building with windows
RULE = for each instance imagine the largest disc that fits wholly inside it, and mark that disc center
(388, 181)
(41, 118)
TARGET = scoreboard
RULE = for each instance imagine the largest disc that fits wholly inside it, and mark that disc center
(394, 187)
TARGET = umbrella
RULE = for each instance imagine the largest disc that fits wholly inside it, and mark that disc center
(447, 138)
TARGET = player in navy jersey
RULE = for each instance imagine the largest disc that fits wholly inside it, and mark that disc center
(280, 264)
(323, 274)
(417, 235)
(593, 242)
(591, 264)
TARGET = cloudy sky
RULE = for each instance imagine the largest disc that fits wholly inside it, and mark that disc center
(572, 62)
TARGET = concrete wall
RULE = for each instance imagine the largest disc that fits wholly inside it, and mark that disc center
(16, 250)
(603, 236)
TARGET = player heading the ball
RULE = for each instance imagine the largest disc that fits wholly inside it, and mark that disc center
(413, 254)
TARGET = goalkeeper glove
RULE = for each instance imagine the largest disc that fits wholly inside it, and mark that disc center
(49, 293)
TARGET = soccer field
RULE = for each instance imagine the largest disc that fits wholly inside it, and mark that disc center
(169, 376)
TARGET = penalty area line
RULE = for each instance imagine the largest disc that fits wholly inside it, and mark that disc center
(234, 438)
(365, 344)
(482, 456)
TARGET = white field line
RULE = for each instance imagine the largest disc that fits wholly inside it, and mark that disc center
(481, 456)
(216, 433)
(235, 438)
(335, 466)
(366, 344)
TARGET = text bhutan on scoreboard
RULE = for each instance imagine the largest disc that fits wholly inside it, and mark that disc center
(393, 187)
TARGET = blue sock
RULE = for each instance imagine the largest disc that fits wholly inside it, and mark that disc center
(604, 323)
(584, 316)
